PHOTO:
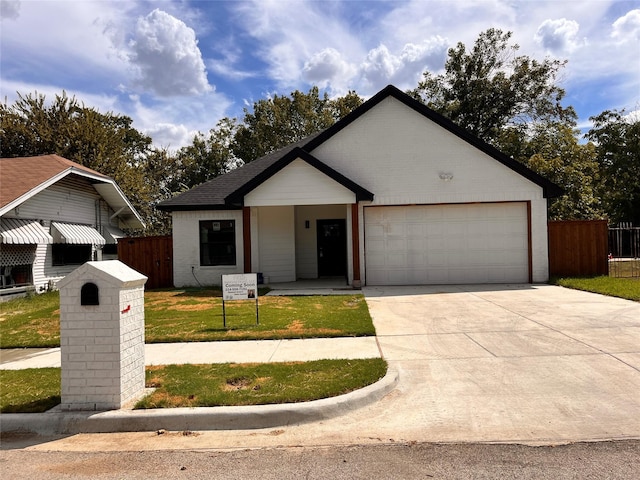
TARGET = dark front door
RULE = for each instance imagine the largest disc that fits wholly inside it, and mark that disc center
(332, 248)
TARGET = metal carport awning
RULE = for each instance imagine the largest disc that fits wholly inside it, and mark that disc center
(23, 232)
(76, 234)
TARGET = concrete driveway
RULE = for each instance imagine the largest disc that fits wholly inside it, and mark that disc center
(509, 363)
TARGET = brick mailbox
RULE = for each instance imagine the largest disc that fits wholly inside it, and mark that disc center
(102, 336)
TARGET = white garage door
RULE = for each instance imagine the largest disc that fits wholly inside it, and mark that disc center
(445, 244)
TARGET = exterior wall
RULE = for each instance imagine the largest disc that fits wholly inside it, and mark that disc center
(276, 243)
(186, 248)
(306, 238)
(539, 241)
(399, 155)
(299, 184)
(102, 346)
(71, 200)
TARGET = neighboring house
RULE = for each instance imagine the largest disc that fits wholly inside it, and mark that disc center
(55, 215)
(393, 194)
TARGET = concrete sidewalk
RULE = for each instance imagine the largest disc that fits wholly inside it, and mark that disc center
(252, 351)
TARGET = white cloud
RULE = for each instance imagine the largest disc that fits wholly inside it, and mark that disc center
(328, 67)
(288, 34)
(558, 36)
(633, 116)
(166, 52)
(173, 124)
(381, 67)
(9, 9)
(627, 27)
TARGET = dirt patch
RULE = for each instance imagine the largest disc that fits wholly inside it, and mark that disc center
(192, 308)
(238, 383)
(296, 327)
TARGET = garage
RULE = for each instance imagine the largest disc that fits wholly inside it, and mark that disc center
(447, 244)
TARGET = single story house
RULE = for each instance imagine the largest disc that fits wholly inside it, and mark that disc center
(56, 214)
(392, 194)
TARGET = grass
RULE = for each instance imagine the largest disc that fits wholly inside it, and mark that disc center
(33, 321)
(257, 384)
(628, 288)
(38, 390)
(29, 391)
(192, 315)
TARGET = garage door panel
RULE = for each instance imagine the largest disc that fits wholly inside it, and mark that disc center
(476, 243)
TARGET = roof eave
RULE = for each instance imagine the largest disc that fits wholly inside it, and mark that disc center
(237, 197)
(550, 189)
(199, 207)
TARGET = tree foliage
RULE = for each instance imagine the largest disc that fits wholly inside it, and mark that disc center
(617, 140)
(490, 89)
(207, 157)
(104, 142)
(282, 120)
(555, 153)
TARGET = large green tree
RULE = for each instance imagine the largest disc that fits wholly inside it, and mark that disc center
(617, 140)
(206, 157)
(284, 119)
(489, 89)
(555, 152)
(104, 142)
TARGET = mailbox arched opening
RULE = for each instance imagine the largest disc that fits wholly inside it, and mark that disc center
(89, 294)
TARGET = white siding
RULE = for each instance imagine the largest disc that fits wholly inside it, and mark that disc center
(69, 200)
(398, 155)
(299, 184)
(277, 243)
(306, 238)
(72, 200)
(186, 248)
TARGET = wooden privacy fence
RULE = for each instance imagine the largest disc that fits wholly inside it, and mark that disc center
(151, 256)
(578, 248)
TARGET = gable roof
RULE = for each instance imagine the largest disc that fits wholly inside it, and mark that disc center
(24, 177)
(226, 191)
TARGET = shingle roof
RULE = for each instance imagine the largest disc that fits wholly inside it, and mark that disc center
(20, 175)
(222, 192)
(23, 177)
(213, 193)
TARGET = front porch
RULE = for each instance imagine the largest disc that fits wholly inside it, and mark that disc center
(313, 246)
(318, 286)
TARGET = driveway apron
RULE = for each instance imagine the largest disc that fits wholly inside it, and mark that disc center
(509, 362)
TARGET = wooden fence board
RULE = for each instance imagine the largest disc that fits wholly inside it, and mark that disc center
(578, 248)
(151, 256)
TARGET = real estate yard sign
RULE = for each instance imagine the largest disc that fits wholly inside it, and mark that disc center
(241, 286)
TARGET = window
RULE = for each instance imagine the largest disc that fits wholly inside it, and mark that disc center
(69, 254)
(217, 242)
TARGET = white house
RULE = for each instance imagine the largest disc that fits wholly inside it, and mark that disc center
(56, 214)
(393, 194)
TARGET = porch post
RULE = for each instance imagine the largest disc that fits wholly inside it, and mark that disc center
(246, 238)
(355, 245)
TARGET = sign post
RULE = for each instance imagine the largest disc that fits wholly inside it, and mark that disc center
(241, 286)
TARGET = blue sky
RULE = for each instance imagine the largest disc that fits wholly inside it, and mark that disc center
(178, 66)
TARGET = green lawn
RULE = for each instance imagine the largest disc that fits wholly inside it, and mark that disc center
(192, 315)
(37, 390)
(628, 288)
(29, 391)
(257, 384)
(196, 315)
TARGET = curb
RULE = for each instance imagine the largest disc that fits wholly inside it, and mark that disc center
(200, 418)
